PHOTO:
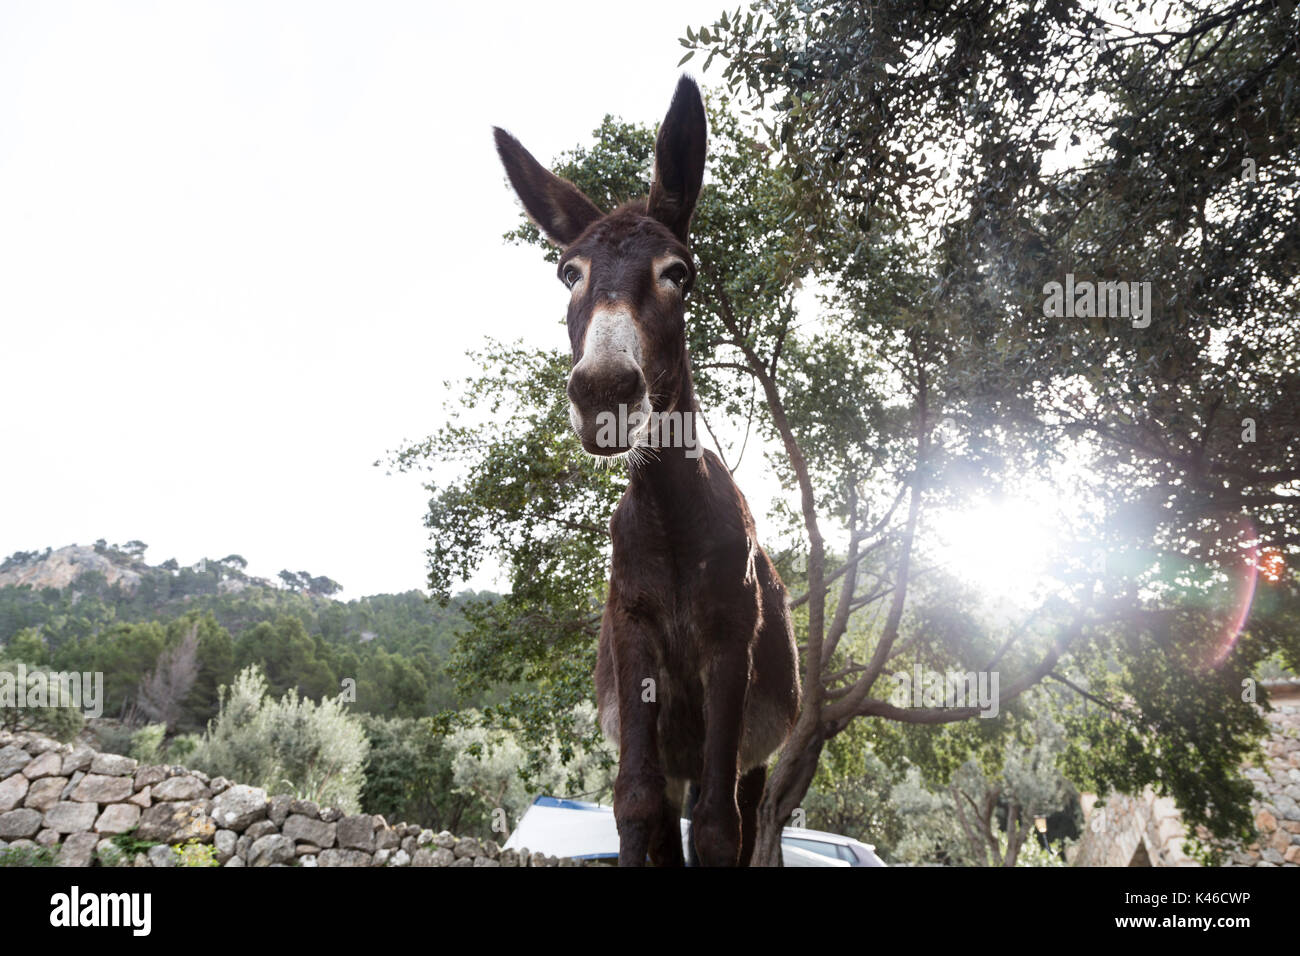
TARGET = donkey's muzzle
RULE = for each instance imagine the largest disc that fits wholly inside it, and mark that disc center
(606, 399)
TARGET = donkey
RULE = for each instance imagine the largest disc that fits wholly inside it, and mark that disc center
(696, 673)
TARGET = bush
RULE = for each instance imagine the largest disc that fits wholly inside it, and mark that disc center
(113, 737)
(60, 722)
(195, 853)
(182, 748)
(128, 844)
(28, 856)
(408, 776)
(294, 746)
(486, 762)
(111, 855)
(147, 744)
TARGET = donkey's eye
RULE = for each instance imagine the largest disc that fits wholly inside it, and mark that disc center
(572, 276)
(676, 274)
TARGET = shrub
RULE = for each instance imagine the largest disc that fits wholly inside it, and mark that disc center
(113, 737)
(182, 748)
(147, 744)
(28, 856)
(129, 845)
(294, 745)
(111, 855)
(60, 722)
(486, 762)
(195, 853)
(408, 776)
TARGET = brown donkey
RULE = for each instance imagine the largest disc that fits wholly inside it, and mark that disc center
(696, 675)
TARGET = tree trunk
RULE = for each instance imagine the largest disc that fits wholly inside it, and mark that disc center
(1016, 834)
(786, 786)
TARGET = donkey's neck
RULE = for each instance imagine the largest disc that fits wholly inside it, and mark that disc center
(675, 467)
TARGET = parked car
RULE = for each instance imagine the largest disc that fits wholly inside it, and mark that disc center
(586, 831)
(852, 852)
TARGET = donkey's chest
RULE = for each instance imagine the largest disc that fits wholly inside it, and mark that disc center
(685, 564)
(691, 598)
(659, 587)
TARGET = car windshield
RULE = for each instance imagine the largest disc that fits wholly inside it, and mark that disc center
(816, 846)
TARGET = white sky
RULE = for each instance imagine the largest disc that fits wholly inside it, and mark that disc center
(243, 244)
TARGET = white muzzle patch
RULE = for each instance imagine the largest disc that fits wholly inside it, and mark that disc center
(612, 340)
(611, 336)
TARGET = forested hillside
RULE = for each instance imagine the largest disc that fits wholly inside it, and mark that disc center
(278, 683)
(104, 608)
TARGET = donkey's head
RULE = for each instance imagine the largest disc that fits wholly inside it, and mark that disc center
(628, 273)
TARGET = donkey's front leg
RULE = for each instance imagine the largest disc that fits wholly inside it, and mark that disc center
(640, 803)
(716, 821)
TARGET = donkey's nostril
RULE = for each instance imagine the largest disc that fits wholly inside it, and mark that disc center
(579, 388)
(630, 384)
(606, 387)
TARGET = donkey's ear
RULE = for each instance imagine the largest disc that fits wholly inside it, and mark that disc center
(557, 206)
(679, 159)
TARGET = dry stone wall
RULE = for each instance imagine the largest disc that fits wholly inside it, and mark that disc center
(75, 802)
(1131, 830)
(1146, 830)
(1277, 792)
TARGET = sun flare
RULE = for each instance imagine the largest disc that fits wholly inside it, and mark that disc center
(1003, 548)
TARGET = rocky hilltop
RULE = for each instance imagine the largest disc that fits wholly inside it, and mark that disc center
(61, 568)
(73, 806)
(124, 566)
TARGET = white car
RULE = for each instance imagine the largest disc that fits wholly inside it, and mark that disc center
(586, 831)
(847, 850)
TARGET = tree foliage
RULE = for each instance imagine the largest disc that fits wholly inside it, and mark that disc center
(314, 751)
